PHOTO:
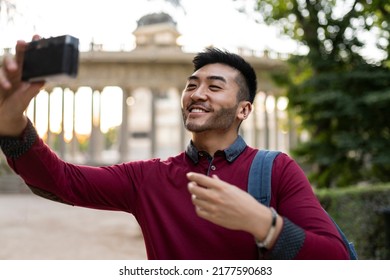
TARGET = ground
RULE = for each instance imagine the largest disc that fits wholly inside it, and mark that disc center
(34, 228)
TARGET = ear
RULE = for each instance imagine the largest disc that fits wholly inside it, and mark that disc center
(244, 109)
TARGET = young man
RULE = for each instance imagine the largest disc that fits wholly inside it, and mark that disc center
(194, 205)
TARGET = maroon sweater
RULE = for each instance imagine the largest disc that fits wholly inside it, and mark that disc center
(155, 192)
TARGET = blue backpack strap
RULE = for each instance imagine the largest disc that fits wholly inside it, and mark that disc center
(261, 168)
(350, 247)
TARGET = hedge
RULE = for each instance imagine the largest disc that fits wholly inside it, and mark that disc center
(360, 212)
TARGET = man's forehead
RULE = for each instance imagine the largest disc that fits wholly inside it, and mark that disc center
(216, 70)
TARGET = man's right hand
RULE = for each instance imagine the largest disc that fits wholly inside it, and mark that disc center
(15, 95)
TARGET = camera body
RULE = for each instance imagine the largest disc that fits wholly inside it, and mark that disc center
(51, 59)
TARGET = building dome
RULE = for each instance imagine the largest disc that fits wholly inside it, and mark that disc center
(156, 30)
(155, 18)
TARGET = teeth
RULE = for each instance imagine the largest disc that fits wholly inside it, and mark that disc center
(197, 111)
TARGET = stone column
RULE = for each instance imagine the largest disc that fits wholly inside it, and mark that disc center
(49, 138)
(61, 139)
(74, 143)
(266, 125)
(153, 127)
(124, 129)
(96, 138)
(276, 125)
(34, 120)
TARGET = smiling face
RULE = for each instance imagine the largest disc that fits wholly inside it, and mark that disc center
(209, 100)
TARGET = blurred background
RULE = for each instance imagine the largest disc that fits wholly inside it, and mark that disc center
(324, 92)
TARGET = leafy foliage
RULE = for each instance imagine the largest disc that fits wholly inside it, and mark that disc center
(340, 95)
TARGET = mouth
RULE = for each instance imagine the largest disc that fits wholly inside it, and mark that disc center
(198, 109)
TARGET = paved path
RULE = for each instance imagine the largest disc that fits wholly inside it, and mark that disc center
(34, 228)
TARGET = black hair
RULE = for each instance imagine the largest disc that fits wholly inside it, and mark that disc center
(214, 55)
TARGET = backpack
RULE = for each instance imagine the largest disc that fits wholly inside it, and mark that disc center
(261, 168)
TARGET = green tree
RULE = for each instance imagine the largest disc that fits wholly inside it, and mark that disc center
(340, 95)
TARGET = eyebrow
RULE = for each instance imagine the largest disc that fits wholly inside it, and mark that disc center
(218, 78)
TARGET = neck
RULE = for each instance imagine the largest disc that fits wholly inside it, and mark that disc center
(212, 141)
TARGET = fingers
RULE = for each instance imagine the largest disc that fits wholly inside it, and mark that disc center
(198, 193)
(11, 72)
(29, 91)
(205, 181)
(8, 70)
(203, 207)
(20, 50)
(15, 95)
(207, 193)
(4, 82)
(206, 187)
(219, 202)
(19, 56)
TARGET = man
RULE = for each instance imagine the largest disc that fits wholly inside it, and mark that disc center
(194, 205)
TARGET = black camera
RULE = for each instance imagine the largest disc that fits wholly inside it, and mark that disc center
(51, 59)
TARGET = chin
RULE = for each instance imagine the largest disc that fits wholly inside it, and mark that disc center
(195, 127)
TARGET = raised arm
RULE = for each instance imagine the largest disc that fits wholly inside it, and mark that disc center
(15, 95)
(41, 169)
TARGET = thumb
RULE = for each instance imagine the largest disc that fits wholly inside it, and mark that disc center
(26, 92)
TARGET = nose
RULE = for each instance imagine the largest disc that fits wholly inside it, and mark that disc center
(199, 94)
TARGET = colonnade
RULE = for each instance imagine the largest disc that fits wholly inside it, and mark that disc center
(145, 123)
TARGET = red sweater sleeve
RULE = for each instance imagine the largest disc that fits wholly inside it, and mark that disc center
(97, 187)
(295, 200)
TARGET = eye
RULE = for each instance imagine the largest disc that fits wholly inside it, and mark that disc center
(190, 86)
(214, 87)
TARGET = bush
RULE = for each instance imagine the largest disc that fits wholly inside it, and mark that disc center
(359, 213)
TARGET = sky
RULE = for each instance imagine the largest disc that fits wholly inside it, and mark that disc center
(111, 23)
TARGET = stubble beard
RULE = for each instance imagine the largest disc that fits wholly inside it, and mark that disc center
(220, 120)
